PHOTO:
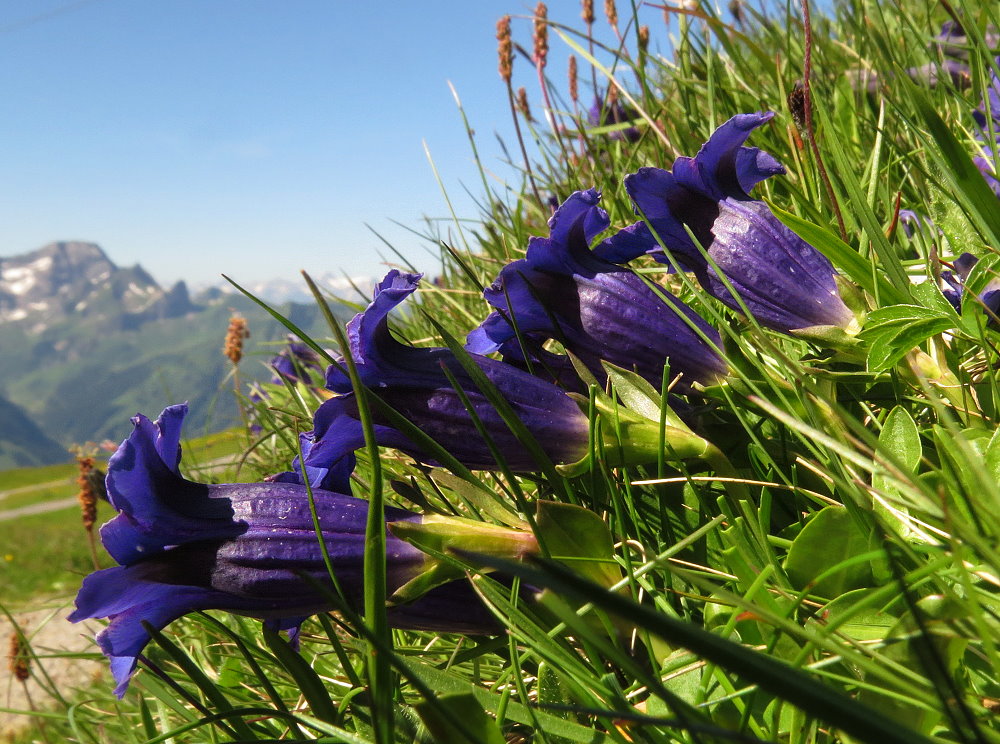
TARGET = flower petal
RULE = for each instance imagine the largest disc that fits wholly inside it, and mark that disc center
(785, 282)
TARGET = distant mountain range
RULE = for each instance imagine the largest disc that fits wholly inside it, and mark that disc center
(350, 288)
(87, 344)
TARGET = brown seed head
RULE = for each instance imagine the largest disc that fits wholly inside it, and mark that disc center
(235, 335)
(18, 659)
(797, 105)
(736, 8)
(505, 49)
(643, 38)
(522, 103)
(588, 12)
(86, 496)
(612, 96)
(611, 11)
(541, 35)
(574, 92)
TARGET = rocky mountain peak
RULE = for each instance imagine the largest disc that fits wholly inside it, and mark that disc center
(71, 277)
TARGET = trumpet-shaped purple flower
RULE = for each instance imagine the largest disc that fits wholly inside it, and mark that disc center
(784, 282)
(953, 287)
(413, 381)
(597, 309)
(296, 362)
(954, 42)
(987, 119)
(607, 112)
(249, 549)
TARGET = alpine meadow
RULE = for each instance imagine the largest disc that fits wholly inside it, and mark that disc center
(691, 435)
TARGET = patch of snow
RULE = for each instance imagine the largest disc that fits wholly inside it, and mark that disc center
(19, 314)
(38, 306)
(100, 277)
(80, 305)
(41, 264)
(19, 279)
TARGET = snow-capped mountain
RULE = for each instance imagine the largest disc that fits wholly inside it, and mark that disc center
(77, 279)
(279, 291)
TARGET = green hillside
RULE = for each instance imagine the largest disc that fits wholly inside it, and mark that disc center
(22, 442)
(82, 379)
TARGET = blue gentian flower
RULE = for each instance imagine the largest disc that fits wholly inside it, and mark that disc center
(911, 222)
(413, 382)
(245, 548)
(987, 117)
(605, 112)
(954, 42)
(295, 363)
(953, 287)
(785, 283)
(596, 309)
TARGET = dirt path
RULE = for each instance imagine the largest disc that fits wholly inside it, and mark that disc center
(51, 637)
(34, 487)
(40, 508)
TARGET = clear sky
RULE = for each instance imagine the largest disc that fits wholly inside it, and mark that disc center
(251, 137)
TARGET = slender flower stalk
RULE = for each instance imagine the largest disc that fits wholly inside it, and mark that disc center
(587, 14)
(540, 37)
(506, 67)
(611, 12)
(574, 92)
(522, 104)
(505, 49)
(540, 58)
(808, 118)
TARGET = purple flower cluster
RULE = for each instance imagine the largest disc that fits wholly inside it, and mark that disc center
(252, 549)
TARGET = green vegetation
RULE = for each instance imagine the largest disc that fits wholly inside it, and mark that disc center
(827, 573)
(44, 556)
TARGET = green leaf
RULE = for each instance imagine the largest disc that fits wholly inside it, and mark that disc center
(992, 456)
(312, 687)
(928, 294)
(443, 682)
(957, 165)
(901, 438)
(475, 726)
(794, 685)
(572, 534)
(904, 314)
(891, 341)
(937, 619)
(820, 559)
(867, 624)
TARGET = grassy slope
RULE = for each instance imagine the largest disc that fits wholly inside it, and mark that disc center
(44, 556)
(864, 601)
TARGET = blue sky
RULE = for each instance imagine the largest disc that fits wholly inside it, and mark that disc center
(251, 137)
